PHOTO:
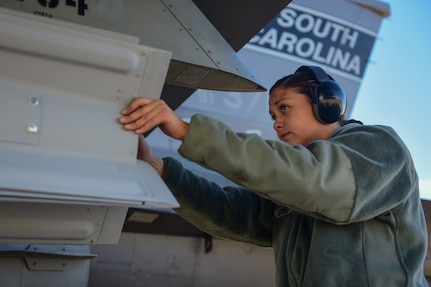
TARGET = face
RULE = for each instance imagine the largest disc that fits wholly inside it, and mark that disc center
(293, 117)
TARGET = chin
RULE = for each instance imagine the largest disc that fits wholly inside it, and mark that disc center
(290, 143)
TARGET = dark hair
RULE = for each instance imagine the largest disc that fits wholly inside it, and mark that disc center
(304, 82)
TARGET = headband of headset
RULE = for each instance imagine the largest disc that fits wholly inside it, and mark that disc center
(327, 96)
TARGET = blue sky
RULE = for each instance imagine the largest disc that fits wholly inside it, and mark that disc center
(395, 90)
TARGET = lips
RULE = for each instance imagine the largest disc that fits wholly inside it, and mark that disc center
(284, 136)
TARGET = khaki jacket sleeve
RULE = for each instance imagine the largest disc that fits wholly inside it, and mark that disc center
(319, 179)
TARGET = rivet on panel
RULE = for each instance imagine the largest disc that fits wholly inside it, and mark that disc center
(33, 101)
(32, 128)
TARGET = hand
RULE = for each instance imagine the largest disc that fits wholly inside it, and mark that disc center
(145, 154)
(144, 114)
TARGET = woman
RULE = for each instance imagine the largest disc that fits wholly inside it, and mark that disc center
(337, 200)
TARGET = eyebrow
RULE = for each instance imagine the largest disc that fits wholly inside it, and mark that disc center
(277, 102)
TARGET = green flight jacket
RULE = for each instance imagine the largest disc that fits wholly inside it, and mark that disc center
(339, 212)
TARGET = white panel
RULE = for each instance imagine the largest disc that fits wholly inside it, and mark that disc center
(66, 45)
(27, 176)
(176, 26)
(25, 103)
(68, 171)
(81, 81)
(48, 223)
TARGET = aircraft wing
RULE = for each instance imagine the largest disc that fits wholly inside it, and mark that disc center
(236, 30)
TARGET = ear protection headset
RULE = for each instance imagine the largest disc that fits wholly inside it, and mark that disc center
(327, 97)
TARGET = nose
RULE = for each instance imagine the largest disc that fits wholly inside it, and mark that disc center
(277, 125)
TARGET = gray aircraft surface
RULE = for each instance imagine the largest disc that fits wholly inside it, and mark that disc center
(76, 208)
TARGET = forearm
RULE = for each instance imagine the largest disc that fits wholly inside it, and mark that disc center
(157, 163)
(228, 212)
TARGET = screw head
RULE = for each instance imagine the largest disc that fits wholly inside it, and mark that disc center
(32, 128)
(34, 101)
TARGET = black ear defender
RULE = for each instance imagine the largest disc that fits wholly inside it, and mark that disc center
(327, 97)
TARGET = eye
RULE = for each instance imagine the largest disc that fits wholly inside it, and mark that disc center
(284, 108)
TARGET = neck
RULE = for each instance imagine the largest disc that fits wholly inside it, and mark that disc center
(330, 129)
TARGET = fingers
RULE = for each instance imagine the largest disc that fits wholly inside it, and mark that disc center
(134, 111)
(142, 115)
(135, 104)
